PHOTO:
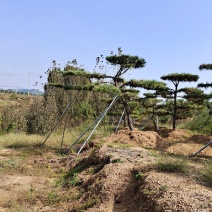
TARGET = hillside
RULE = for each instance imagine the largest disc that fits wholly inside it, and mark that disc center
(12, 99)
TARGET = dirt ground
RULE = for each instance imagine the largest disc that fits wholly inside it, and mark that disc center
(116, 176)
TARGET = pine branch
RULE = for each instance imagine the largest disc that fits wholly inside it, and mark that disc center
(205, 66)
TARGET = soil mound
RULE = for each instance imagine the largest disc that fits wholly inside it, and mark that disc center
(191, 145)
(174, 135)
(148, 139)
(180, 142)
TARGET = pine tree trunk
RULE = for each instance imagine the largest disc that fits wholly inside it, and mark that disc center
(175, 107)
(127, 110)
(125, 124)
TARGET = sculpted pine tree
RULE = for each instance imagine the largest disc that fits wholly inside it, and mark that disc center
(176, 78)
(125, 62)
(205, 67)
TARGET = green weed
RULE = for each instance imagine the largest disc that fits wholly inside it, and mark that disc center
(74, 179)
(172, 166)
(141, 176)
(52, 197)
(117, 160)
(149, 192)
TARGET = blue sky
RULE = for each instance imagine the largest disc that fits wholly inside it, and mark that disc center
(172, 36)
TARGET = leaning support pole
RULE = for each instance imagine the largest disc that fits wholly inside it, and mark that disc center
(83, 133)
(158, 128)
(152, 116)
(111, 104)
(64, 128)
(146, 121)
(120, 121)
(202, 149)
(64, 112)
(205, 122)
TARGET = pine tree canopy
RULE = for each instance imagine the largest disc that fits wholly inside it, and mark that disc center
(204, 85)
(191, 90)
(183, 77)
(84, 73)
(205, 66)
(89, 75)
(102, 88)
(147, 84)
(129, 90)
(75, 72)
(126, 61)
(194, 95)
(150, 95)
(165, 93)
(78, 88)
(105, 88)
(197, 97)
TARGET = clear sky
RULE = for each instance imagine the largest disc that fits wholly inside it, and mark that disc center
(171, 35)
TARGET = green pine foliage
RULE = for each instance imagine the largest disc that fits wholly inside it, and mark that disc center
(147, 84)
(105, 88)
(205, 66)
(205, 85)
(180, 77)
(126, 61)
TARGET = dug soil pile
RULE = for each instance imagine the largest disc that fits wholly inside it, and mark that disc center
(123, 177)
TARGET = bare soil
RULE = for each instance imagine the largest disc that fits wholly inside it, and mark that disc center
(118, 175)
